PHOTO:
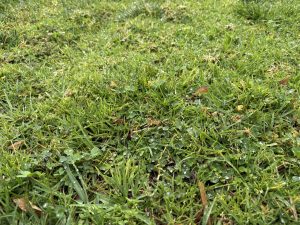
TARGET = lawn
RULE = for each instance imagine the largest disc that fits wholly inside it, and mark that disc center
(138, 112)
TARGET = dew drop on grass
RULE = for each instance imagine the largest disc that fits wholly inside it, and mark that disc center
(214, 180)
(59, 215)
(171, 169)
(282, 220)
(210, 196)
(226, 177)
(243, 157)
(197, 102)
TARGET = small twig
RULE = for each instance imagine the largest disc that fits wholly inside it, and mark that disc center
(199, 216)
(293, 209)
(203, 200)
(202, 193)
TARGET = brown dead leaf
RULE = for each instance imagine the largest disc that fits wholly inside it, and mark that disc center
(36, 209)
(16, 145)
(201, 90)
(153, 122)
(21, 203)
(247, 131)
(119, 121)
(236, 118)
(202, 193)
(199, 216)
(284, 81)
(26, 206)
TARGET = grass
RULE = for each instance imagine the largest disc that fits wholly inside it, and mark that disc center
(103, 121)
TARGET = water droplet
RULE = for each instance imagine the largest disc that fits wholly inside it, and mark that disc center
(59, 215)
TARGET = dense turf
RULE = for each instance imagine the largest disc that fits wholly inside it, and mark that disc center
(112, 111)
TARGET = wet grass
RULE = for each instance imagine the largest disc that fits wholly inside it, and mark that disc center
(112, 111)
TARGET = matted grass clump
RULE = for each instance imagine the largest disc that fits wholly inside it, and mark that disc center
(149, 112)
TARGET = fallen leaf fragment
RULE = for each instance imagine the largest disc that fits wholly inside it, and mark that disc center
(113, 84)
(236, 118)
(119, 121)
(240, 108)
(68, 93)
(230, 26)
(205, 110)
(215, 114)
(210, 59)
(26, 206)
(284, 81)
(273, 69)
(265, 208)
(201, 90)
(295, 133)
(225, 220)
(21, 203)
(153, 122)
(16, 145)
(36, 209)
(247, 131)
